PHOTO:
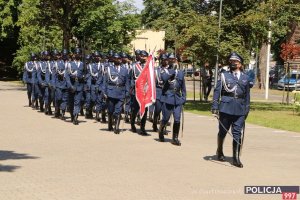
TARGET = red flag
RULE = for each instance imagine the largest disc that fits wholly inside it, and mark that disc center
(145, 86)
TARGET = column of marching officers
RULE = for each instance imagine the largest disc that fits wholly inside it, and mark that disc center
(105, 87)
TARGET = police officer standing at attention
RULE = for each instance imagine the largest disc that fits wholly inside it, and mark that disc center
(75, 81)
(159, 87)
(231, 101)
(206, 75)
(173, 98)
(116, 89)
(28, 78)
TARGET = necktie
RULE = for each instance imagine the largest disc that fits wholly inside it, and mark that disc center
(236, 76)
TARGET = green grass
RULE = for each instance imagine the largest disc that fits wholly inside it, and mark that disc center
(273, 115)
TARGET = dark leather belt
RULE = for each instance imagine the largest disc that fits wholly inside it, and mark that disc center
(227, 94)
(116, 85)
(94, 81)
(80, 80)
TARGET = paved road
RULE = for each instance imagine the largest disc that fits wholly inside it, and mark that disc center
(42, 158)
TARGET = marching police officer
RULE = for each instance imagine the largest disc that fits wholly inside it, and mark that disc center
(43, 76)
(135, 72)
(173, 98)
(115, 89)
(60, 86)
(65, 91)
(159, 87)
(75, 82)
(231, 101)
(36, 90)
(28, 77)
(126, 64)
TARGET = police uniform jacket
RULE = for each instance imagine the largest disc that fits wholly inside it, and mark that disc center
(95, 76)
(174, 90)
(159, 82)
(59, 80)
(134, 74)
(43, 74)
(75, 75)
(28, 73)
(116, 82)
(232, 95)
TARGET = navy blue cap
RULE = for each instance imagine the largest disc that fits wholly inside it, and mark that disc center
(144, 53)
(45, 53)
(77, 51)
(55, 52)
(96, 53)
(116, 55)
(88, 57)
(171, 56)
(235, 56)
(137, 52)
(163, 56)
(110, 53)
(64, 52)
(123, 55)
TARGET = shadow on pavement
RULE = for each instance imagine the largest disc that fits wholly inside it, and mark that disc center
(214, 159)
(8, 168)
(11, 155)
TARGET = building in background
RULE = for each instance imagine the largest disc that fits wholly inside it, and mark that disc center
(148, 39)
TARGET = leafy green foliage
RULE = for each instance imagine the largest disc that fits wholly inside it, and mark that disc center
(48, 24)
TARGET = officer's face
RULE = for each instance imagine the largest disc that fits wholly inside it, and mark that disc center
(237, 63)
(164, 62)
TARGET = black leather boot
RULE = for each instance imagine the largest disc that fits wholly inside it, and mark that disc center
(33, 104)
(151, 116)
(46, 109)
(161, 132)
(143, 124)
(75, 121)
(175, 140)
(62, 117)
(49, 110)
(132, 122)
(81, 111)
(56, 112)
(154, 125)
(103, 116)
(236, 148)
(110, 122)
(29, 102)
(117, 124)
(97, 117)
(72, 117)
(126, 118)
(220, 154)
(36, 104)
(41, 107)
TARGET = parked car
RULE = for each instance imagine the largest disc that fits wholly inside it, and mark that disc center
(291, 82)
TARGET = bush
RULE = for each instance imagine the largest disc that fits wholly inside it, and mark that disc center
(297, 101)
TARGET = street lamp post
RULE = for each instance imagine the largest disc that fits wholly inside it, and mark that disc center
(268, 61)
(218, 47)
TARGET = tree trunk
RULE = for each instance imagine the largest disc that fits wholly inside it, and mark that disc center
(261, 75)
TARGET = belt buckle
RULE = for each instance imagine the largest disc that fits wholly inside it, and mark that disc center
(76, 78)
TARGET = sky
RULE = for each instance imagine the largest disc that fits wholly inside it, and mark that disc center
(137, 3)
